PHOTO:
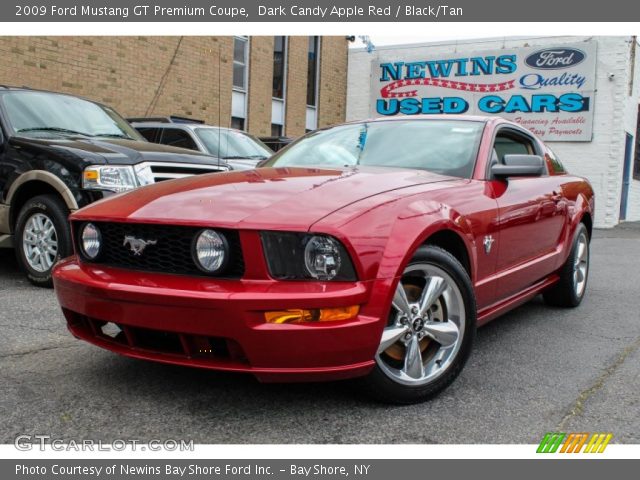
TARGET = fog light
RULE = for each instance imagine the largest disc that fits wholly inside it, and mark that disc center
(312, 315)
(90, 241)
(210, 251)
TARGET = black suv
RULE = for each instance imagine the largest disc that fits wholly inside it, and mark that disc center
(59, 153)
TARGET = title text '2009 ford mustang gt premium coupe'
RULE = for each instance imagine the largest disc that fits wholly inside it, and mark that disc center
(370, 249)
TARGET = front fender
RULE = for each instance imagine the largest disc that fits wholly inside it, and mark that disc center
(382, 235)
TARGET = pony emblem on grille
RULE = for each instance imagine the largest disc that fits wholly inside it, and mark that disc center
(137, 245)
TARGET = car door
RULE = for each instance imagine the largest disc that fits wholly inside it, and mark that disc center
(532, 218)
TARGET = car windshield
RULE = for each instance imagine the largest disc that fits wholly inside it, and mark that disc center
(229, 144)
(63, 114)
(448, 147)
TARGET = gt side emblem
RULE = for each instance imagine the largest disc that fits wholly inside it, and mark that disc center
(488, 243)
(137, 245)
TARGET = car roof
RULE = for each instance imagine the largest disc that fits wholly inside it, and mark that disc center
(181, 126)
(486, 119)
(467, 118)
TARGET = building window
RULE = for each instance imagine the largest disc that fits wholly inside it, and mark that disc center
(240, 81)
(279, 66)
(240, 50)
(237, 123)
(312, 70)
(276, 130)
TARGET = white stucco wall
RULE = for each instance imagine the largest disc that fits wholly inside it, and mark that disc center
(615, 111)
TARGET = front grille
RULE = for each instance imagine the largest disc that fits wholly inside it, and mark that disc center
(170, 254)
(168, 171)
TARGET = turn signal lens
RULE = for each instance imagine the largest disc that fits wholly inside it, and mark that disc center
(313, 315)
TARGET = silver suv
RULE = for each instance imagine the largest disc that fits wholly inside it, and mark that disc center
(239, 148)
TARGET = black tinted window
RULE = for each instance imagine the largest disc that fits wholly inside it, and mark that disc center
(150, 134)
(178, 138)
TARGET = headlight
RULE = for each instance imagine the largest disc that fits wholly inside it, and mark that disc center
(90, 241)
(302, 256)
(210, 251)
(109, 177)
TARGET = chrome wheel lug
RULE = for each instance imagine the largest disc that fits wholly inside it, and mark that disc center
(414, 310)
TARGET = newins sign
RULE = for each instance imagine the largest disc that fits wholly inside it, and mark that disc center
(548, 90)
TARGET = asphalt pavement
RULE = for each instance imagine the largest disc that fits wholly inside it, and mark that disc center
(535, 370)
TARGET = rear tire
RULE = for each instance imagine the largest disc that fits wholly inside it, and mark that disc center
(42, 237)
(430, 330)
(570, 289)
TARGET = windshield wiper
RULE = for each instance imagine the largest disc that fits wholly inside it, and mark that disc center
(112, 135)
(241, 157)
(53, 129)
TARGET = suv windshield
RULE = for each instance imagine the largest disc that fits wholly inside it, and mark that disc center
(229, 144)
(440, 146)
(64, 114)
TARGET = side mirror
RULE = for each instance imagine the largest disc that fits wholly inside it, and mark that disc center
(518, 166)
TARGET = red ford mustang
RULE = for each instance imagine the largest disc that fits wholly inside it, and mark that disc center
(370, 249)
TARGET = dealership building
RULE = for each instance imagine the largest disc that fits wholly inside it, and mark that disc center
(579, 94)
(265, 85)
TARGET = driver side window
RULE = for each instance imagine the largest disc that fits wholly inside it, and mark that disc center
(508, 143)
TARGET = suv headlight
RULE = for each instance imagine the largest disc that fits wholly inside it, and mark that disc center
(305, 256)
(109, 177)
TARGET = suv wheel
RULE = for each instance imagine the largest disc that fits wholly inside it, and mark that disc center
(42, 237)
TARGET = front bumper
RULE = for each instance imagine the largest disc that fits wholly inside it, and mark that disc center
(219, 324)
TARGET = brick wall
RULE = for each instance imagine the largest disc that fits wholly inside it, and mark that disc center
(135, 75)
(333, 81)
(296, 104)
(260, 85)
(175, 75)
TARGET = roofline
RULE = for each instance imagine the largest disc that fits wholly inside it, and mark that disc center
(468, 41)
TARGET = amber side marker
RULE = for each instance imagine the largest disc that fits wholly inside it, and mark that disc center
(312, 315)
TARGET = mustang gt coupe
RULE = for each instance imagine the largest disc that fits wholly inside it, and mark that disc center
(371, 249)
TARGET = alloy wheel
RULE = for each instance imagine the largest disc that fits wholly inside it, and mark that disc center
(426, 326)
(40, 242)
(581, 264)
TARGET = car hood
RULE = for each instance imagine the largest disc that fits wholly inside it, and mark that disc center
(270, 198)
(116, 151)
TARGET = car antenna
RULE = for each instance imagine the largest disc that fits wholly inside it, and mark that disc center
(219, 98)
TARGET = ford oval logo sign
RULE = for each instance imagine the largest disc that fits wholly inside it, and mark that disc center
(555, 58)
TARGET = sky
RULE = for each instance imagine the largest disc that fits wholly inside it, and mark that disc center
(381, 40)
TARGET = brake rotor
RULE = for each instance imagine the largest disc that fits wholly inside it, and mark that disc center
(397, 351)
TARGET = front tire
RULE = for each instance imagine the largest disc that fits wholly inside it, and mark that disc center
(42, 237)
(570, 289)
(430, 330)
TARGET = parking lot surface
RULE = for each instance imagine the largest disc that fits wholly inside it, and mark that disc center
(534, 370)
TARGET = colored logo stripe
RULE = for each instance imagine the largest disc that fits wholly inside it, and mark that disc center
(573, 442)
(391, 90)
(598, 443)
(550, 442)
